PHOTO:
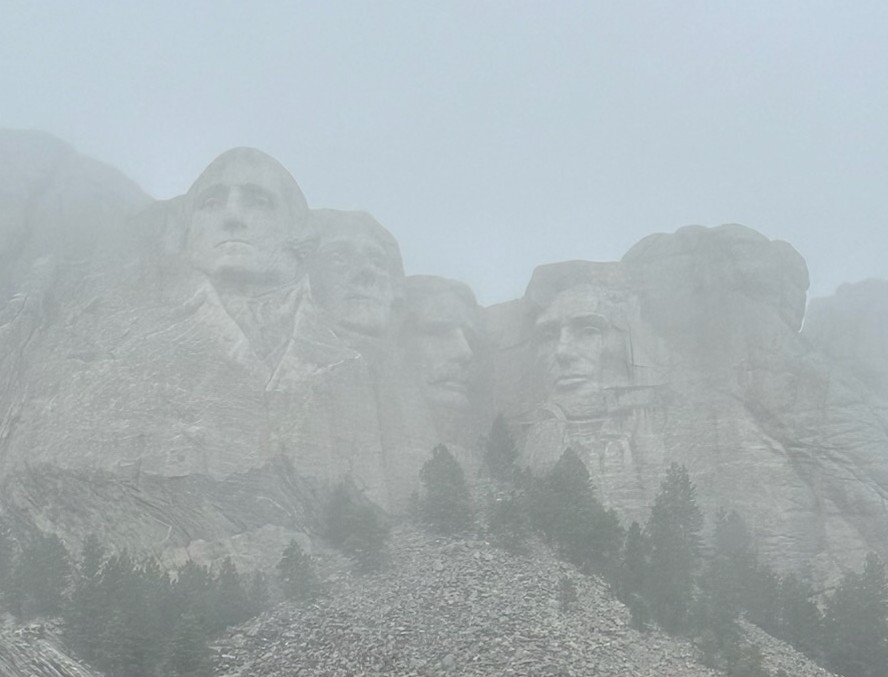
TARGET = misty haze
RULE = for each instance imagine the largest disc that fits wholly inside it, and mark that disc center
(352, 341)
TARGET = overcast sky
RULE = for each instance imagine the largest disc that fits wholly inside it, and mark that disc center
(491, 136)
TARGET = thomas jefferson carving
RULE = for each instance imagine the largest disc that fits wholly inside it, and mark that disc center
(356, 272)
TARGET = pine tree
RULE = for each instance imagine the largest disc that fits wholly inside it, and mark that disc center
(564, 508)
(445, 505)
(121, 645)
(762, 600)
(500, 452)
(85, 609)
(41, 576)
(297, 575)
(192, 590)
(158, 604)
(229, 604)
(258, 596)
(725, 577)
(508, 521)
(856, 623)
(673, 532)
(799, 620)
(357, 527)
(632, 576)
(189, 654)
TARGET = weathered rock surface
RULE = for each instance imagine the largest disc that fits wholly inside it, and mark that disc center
(204, 377)
(35, 650)
(689, 351)
(193, 376)
(465, 608)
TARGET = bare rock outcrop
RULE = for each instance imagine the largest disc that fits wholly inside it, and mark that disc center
(688, 351)
(207, 368)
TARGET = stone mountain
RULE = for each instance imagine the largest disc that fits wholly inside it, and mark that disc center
(189, 378)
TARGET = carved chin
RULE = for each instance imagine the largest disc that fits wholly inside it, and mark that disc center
(365, 315)
(450, 394)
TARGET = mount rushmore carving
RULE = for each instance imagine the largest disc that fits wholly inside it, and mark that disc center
(191, 377)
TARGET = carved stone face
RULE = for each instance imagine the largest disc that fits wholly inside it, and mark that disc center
(570, 336)
(439, 337)
(353, 275)
(243, 223)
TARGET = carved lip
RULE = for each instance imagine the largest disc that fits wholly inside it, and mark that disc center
(234, 241)
(571, 381)
(454, 384)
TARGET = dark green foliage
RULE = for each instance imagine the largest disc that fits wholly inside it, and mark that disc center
(189, 655)
(632, 575)
(445, 505)
(123, 641)
(91, 558)
(856, 623)
(508, 521)
(673, 533)
(131, 619)
(83, 614)
(228, 601)
(258, 596)
(297, 575)
(40, 577)
(762, 599)
(725, 580)
(500, 451)
(357, 527)
(564, 508)
(799, 620)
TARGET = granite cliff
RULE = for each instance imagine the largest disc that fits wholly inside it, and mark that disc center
(189, 378)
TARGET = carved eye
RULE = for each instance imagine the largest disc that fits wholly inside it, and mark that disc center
(213, 197)
(547, 333)
(259, 200)
(210, 202)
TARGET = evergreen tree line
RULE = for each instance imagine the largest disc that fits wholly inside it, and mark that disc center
(133, 618)
(663, 573)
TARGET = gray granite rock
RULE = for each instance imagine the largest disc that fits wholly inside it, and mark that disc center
(194, 375)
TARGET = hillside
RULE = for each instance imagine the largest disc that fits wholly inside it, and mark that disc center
(464, 607)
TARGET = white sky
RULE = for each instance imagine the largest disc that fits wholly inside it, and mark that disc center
(491, 136)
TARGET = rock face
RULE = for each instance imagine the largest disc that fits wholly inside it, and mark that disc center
(689, 351)
(472, 610)
(36, 652)
(191, 378)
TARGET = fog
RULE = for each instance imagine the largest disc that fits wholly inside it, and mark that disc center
(490, 137)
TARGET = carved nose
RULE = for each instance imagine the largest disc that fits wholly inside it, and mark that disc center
(233, 225)
(565, 351)
(461, 351)
(368, 274)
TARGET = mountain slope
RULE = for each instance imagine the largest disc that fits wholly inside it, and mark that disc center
(466, 608)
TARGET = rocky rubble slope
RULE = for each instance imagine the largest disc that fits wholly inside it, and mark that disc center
(466, 608)
(36, 651)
